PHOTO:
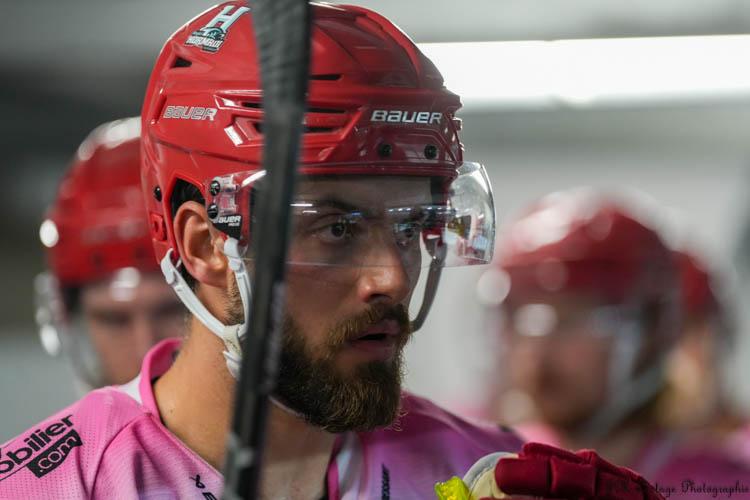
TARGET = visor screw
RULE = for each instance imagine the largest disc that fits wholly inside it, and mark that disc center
(215, 188)
(157, 193)
(430, 151)
(212, 211)
(385, 150)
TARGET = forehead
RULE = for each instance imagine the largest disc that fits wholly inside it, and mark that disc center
(124, 287)
(369, 191)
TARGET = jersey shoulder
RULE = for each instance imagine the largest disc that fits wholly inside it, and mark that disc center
(427, 427)
(422, 415)
(427, 444)
(60, 455)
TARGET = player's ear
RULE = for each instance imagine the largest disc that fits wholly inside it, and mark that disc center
(199, 245)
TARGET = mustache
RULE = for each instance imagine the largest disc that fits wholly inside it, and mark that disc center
(352, 327)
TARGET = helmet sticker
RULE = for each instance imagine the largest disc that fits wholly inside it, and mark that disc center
(230, 224)
(211, 37)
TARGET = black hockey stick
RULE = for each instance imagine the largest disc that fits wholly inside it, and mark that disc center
(282, 29)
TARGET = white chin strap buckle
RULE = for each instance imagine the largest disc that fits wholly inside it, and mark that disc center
(230, 335)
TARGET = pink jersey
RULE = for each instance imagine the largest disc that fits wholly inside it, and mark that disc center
(112, 444)
(680, 468)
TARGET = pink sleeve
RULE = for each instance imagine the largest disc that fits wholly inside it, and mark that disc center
(59, 457)
(146, 461)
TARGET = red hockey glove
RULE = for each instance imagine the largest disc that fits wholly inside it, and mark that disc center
(549, 472)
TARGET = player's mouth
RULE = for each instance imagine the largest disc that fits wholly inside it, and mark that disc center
(378, 341)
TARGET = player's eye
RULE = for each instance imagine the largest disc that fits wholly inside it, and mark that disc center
(110, 319)
(334, 232)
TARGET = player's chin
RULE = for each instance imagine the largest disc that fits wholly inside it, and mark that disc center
(368, 399)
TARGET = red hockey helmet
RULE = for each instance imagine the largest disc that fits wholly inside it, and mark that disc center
(376, 106)
(97, 223)
(96, 230)
(605, 250)
(590, 243)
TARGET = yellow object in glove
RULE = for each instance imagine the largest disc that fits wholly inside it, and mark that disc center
(452, 489)
(478, 483)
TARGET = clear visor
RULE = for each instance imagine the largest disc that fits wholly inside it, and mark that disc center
(371, 220)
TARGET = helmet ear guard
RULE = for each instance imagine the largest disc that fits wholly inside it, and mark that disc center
(230, 335)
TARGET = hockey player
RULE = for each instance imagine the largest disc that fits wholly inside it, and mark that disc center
(590, 311)
(103, 303)
(385, 198)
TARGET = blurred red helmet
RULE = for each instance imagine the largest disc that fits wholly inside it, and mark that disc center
(592, 245)
(376, 106)
(588, 243)
(97, 223)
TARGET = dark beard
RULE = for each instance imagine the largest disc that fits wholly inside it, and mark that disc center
(363, 400)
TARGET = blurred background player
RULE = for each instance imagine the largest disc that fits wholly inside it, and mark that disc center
(589, 312)
(103, 303)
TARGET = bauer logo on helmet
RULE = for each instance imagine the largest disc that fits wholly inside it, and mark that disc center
(398, 116)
